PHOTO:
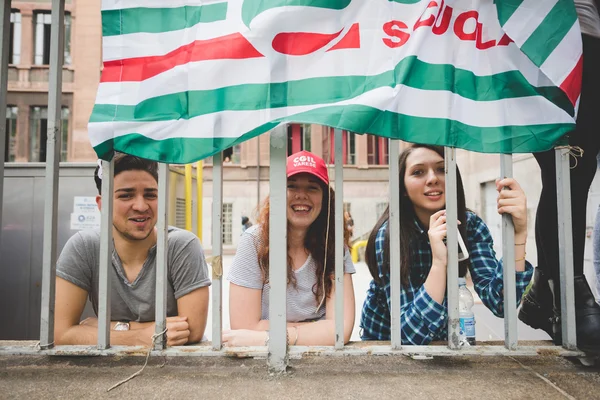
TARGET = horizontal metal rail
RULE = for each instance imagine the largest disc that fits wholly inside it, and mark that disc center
(295, 352)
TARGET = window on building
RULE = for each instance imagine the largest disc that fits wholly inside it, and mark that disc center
(227, 223)
(232, 155)
(38, 126)
(299, 138)
(306, 137)
(10, 149)
(349, 146)
(377, 150)
(14, 49)
(180, 212)
(42, 22)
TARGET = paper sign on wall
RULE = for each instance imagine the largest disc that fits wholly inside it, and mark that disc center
(85, 213)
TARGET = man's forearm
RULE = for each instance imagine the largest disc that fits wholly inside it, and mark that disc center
(88, 335)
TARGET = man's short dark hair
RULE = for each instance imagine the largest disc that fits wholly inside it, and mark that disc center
(125, 162)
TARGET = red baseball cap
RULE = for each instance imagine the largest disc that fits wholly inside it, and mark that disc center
(305, 161)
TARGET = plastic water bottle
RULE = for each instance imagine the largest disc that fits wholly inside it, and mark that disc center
(467, 317)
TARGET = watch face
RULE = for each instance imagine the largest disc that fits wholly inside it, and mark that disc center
(122, 326)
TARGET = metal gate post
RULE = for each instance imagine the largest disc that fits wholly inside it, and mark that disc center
(394, 227)
(278, 351)
(53, 147)
(217, 251)
(565, 248)
(339, 239)
(5, 32)
(160, 316)
(508, 264)
(452, 245)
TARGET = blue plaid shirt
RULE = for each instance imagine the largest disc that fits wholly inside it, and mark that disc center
(422, 318)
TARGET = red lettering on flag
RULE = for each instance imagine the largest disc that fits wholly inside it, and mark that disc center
(459, 25)
(393, 29)
(479, 44)
(429, 21)
(446, 15)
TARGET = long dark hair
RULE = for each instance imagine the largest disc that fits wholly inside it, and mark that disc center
(408, 230)
(314, 242)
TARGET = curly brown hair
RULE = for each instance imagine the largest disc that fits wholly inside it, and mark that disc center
(314, 242)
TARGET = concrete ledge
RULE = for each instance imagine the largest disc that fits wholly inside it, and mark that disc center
(526, 348)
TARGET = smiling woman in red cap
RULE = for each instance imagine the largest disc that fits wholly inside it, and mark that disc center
(311, 265)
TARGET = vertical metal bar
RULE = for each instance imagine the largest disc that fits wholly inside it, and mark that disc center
(508, 264)
(452, 245)
(278, 356)
(258, 171)
(565, 249)
(188, 197)
(339, 239)
(160, 316)
(200, 198)
(5, 32)
(217, 252)
(394, 226)
(52, 170)
(106, 251)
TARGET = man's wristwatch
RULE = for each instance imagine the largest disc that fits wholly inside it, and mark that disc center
(121, 326)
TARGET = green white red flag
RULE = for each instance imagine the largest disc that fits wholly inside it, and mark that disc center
(183, 79)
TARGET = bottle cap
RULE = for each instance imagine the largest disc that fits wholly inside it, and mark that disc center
(462, 281)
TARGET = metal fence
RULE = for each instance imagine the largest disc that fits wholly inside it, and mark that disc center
(278, 352)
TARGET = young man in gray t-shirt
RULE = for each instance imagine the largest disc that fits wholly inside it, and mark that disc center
(133, 272)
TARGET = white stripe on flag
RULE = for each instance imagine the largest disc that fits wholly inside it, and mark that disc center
(408, 101)
(527, 18)
(235, 72)
(565, 56)
(121, 4)
(136, 45)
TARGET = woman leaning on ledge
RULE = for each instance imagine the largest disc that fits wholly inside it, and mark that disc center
(423, 264)
(310, 266)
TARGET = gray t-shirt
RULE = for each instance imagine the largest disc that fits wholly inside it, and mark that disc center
(135, 301)
(589, 20)
(301, 303)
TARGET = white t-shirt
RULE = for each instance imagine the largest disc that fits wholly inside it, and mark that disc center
(301, 301)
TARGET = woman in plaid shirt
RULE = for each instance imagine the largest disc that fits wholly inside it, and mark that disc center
(423, 264)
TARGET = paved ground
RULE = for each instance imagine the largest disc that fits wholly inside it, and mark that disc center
(312, 377)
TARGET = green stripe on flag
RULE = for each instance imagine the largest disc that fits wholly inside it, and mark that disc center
(550, 32)
(506, 8)
(250, 9)
(354, 118)
(411, 71)
(158, 20)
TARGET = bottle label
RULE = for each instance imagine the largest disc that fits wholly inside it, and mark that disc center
(467, 327)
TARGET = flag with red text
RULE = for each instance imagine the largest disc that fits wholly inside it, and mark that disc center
(184, 79)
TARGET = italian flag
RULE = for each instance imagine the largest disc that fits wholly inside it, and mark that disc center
(184, 79)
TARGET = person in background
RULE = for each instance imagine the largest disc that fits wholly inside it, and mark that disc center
(310, 267)
(541, 306)
(349, 222)
(596, 240)
(133, 269)
(245, 223)
(423, 264)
